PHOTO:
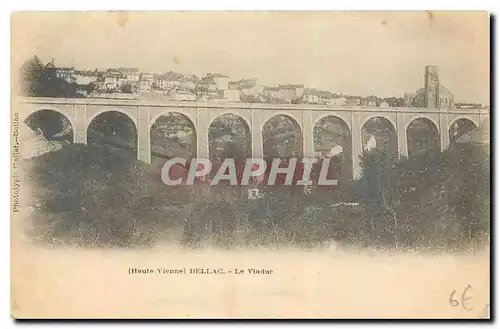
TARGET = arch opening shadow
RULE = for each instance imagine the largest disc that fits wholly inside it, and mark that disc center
(172, 135)
(459, 128)
(282, 138)
(332, 138)
(53, 125)
(113, 129)
(422, 138)
(378, 134)
(229, 137)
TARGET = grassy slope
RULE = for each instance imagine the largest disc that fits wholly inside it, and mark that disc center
(99, 194)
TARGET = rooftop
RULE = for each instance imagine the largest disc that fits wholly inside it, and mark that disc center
(129, 70)
(216, 75)
(244, 83)
(290, 86)
(170, 76)
(318, 92)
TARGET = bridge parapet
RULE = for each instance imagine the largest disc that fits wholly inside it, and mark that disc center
(240, 105)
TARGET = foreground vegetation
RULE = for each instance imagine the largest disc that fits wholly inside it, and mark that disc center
(99, 196)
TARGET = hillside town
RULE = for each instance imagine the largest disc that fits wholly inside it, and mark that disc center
(131, 83)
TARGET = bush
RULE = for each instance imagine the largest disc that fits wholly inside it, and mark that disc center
(437, 200)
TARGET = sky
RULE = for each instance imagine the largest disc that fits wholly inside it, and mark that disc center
(357, 53)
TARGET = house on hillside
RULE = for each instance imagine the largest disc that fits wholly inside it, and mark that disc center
(337, 101)
(111, 81)
(291, 93)
(84, 77)
(64, 73)
(316, 96)
(272, 94)
(131, 74)
(207, 85)
(353, 102)
(216, 81)
(146, 82)
(167, 81)
(247, 87)
(188, 82)
(371, 101)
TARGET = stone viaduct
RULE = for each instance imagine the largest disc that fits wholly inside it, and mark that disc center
(81, 111)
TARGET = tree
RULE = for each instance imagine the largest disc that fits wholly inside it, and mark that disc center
(39, 80)
(466, 175)
(379, 195)
(126, 88)
(89, 88)
(31, 75)
(200, 90)
(438, 200)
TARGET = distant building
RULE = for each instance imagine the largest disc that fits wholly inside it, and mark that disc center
(207, 84)
(393, 102)
(64, 73)
(131, 74)
(433, 95)
(122, 80)
(110, 81)
(272, 94)
(431, 86)
(371, 100)
(247, 87)
(189, 82)
(353, 102)
(168, 80)
(461, 105)
(220, 81)
(146, 82)
(316, 96)
(446, 98)
(101, 85)
(145, 85)
(338, 101)
(208, 95)
(233, 85)
(84, 77)
(290, 93)
(409, 100)
(311, 96)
